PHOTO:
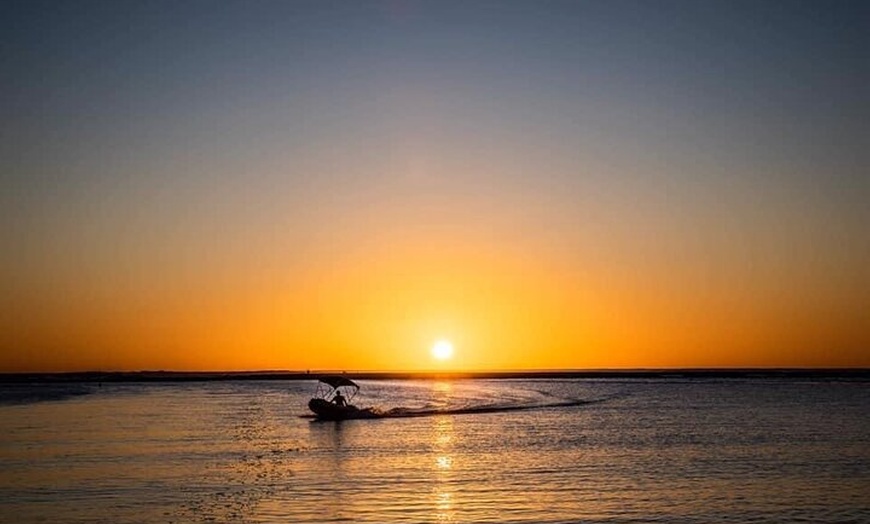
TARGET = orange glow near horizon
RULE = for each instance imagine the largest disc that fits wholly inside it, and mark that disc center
(507, 310)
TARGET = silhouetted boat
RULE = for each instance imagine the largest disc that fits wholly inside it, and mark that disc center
(332, 400)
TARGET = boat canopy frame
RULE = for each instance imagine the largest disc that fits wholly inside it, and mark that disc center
(328, 386)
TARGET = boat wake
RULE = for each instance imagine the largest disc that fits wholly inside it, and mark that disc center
(406, 412)
(415, 412)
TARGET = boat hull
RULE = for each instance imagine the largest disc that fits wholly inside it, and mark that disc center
(325, 410)
(328, 411)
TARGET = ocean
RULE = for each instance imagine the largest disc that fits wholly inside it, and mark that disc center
(615, 450)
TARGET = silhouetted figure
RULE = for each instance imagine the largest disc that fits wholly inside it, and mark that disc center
(339, 399)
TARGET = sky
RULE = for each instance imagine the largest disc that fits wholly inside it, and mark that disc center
(339, 185)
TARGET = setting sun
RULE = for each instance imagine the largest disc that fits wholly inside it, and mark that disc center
(442, 350)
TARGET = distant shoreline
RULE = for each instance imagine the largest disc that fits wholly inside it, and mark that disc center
(209, 376)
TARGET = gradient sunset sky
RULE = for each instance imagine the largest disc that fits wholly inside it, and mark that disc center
(337, 185)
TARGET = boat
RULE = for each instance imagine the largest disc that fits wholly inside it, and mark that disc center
(332, 400)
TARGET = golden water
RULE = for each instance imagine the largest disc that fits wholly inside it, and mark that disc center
(742, 451)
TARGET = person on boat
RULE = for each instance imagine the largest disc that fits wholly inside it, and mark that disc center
(339, 399)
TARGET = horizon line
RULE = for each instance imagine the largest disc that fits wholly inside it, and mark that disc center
(176, 375)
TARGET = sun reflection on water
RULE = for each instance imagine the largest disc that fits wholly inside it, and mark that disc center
(443, 492)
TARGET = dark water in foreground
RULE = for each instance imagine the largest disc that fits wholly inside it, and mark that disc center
(634, 450)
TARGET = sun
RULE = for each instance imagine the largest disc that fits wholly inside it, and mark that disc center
(442, 350)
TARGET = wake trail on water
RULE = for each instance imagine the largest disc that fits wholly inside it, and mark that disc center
(405, 412)
(412, 412)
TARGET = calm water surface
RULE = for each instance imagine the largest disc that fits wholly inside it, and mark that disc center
(639, 450)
